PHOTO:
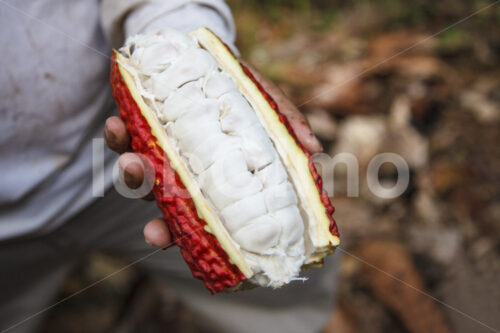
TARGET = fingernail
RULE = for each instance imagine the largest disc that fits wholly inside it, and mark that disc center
(111, 136)
(131, 180)
(320, 147)
(317, 143)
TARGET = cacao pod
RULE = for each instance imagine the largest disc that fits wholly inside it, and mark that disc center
(240, 194)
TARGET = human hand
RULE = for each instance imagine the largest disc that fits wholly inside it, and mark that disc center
(156, 232)
(296, 118)
(115, 133)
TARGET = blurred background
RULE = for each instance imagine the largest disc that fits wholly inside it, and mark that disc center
(370, 79)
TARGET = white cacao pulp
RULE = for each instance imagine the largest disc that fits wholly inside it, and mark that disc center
(227, 150)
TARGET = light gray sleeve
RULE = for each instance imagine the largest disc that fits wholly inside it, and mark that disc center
(122, 18)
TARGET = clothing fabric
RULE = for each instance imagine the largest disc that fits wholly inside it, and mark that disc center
(55, 97)
(113, 224)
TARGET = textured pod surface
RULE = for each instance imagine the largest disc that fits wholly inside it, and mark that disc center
(317, 178)
(201, 250)
(193, 109)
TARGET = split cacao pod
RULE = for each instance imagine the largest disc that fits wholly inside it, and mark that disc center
(239, 192)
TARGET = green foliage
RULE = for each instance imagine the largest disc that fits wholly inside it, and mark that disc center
(453, 39)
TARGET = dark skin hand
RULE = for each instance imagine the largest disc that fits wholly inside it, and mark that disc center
(156, 232)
